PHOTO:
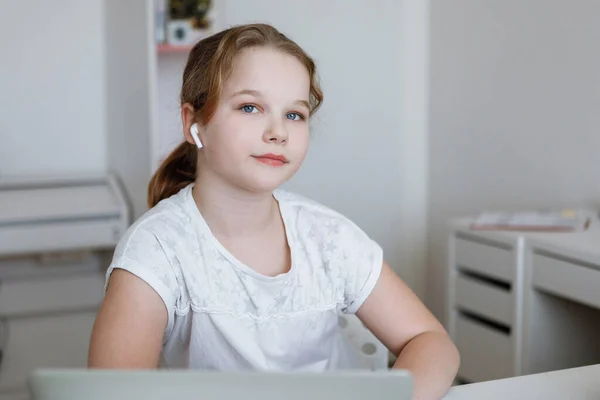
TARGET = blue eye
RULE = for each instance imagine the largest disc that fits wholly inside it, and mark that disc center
(294, 116)
(248, 108)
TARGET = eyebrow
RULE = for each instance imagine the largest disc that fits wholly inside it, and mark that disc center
(256, 93)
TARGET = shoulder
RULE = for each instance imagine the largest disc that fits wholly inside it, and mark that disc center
(319, 220)
(164, 223)
(149, 246)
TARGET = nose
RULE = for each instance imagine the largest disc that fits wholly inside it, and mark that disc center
(276, 132)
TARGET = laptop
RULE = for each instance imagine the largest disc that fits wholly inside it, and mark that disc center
(96, 384)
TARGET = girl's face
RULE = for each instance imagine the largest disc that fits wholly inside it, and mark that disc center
(259, 136)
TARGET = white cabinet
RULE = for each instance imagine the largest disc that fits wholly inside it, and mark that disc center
(484, 274)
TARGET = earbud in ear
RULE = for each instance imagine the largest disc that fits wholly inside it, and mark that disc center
(194, 132)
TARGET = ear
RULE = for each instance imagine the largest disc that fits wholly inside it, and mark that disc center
(188, 118)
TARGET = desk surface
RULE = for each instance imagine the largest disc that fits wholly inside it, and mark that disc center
(584, 245)
(581, 383)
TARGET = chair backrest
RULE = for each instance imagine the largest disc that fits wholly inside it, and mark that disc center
(370, 351)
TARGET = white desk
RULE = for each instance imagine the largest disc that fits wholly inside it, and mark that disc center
(522, 302)
(577, 383)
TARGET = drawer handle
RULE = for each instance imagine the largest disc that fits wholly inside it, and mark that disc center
(478, 319)
(3, 339)
(484, 279)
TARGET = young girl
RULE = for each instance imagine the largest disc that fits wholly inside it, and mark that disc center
(226, 271)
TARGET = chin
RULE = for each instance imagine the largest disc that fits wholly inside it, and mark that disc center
(262, 182)
(263, 179)
(263, 186)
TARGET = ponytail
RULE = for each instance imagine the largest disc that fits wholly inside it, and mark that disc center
(176, 172)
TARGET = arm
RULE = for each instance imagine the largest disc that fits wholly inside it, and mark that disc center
(129, 327)
(404, 325)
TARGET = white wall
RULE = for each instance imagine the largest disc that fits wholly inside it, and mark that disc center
(130, 63)
(362, 161)
(514, 111)
(169, 74)
(52, 58)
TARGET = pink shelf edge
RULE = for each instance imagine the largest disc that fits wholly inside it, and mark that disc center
(169, 48)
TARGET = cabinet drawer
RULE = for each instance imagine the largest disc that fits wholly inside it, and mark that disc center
(486, 259)
(55, 294)
(485, 354)
(484, 299)
(58, 341)
(568, 279)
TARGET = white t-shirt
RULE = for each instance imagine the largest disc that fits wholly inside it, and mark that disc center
(223, 315)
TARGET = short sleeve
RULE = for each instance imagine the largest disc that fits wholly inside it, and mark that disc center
(362, 261)
(141, 253)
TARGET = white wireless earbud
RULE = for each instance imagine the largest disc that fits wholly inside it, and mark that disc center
(194, 132)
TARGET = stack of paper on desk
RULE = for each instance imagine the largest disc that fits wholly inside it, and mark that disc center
(554, 221)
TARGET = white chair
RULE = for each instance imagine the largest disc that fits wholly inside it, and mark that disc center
(370, 351)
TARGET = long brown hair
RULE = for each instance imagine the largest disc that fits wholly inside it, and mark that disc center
(209, 64)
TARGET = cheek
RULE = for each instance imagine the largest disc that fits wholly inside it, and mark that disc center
(300, 140)
(229, 136)
(227, 149)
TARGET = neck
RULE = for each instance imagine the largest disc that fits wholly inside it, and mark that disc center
(231, 211)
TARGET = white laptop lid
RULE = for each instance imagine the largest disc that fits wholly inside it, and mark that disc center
(82, 384)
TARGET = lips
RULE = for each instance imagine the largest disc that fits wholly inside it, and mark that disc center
(275, 160)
